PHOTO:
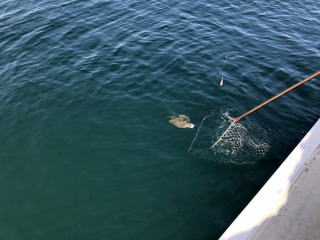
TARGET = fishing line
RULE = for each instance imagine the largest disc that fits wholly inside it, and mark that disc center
(222, 68)
(195, 137)
(211, 89)
(227, 55)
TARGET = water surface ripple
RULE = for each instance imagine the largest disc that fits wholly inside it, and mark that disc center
(86, 90)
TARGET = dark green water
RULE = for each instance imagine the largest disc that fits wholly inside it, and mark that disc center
(86, 88)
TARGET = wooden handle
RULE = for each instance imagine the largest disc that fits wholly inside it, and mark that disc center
(277, 96)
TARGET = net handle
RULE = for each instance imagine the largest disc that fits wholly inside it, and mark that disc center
(277, 96)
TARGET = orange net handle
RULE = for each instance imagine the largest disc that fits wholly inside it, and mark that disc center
(277, 96)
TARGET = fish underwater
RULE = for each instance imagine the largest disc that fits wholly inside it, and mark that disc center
(181, 121)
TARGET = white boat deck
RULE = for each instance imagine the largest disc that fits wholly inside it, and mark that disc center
(288, 205)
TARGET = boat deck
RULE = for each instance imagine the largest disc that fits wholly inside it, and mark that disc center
(288, 205)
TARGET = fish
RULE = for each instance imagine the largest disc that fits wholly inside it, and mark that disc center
(181, 121)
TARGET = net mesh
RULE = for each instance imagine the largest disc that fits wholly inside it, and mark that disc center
(226, 141)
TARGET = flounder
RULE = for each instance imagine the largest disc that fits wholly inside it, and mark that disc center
(181, 121)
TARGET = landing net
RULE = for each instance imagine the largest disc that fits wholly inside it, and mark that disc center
(224, 140)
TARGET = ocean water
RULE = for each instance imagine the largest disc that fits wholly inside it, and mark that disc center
(86, 91)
